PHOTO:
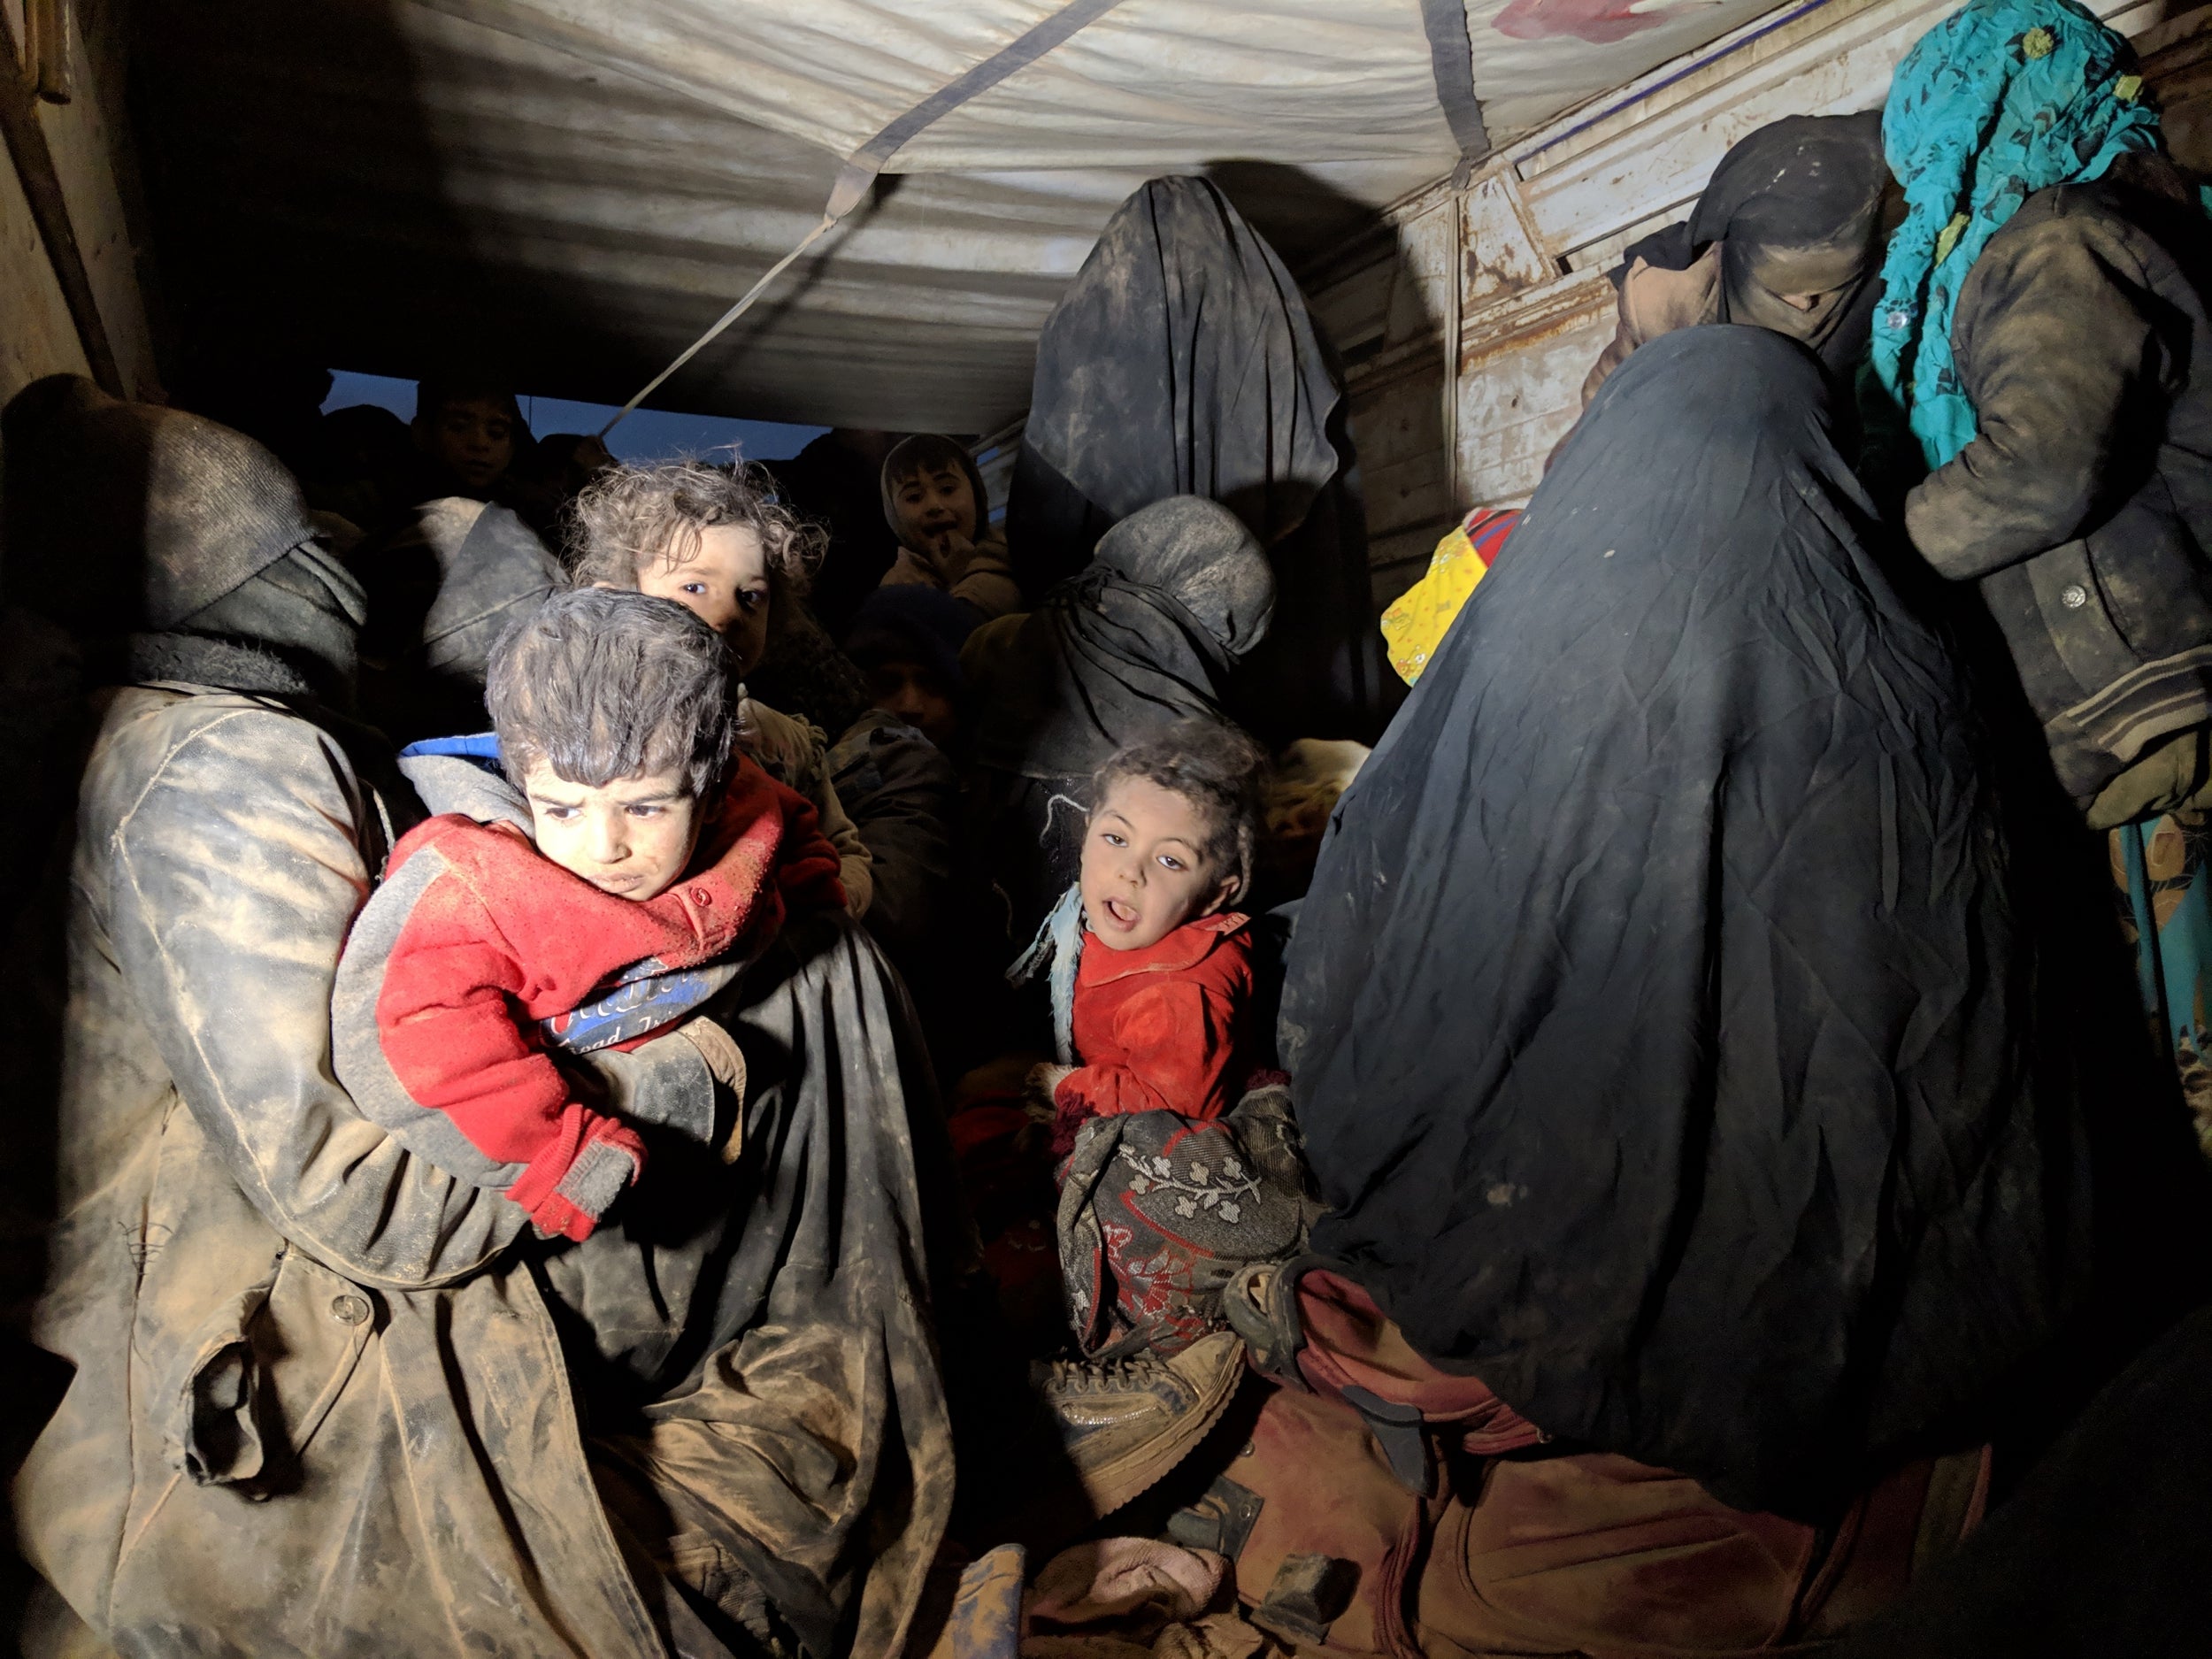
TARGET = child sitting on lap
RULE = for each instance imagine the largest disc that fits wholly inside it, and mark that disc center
(1165, 969)
(649, 853)
(717, 543)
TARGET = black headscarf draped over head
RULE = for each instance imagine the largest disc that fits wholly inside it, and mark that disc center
(1797, 207)
(1147, 635)
(1182, 361)
(1671, 1038)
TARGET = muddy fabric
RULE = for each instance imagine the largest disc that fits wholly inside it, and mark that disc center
(1145, 636)
(1655, 300)
(1564, 1553)
(1182, 361)
(2082, 508)
(320, 1405)
(754, 1342)
(229, 1226)
(304, 609)
(1137, 1582)
(1998, 101)
(1156, 1211)
(1664, 1015)
(1796, 207)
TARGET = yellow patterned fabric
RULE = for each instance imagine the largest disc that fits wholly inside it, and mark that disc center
(1416, 624)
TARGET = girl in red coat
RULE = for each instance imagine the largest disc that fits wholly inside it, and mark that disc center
(1165, 971)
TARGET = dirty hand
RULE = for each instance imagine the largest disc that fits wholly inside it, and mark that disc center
(951, 546)
(1038, 1089)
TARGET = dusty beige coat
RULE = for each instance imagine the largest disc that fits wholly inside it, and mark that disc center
(319, 1405)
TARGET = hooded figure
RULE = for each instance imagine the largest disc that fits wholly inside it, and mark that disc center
(441, 589)
(1182, 361)
(1178, 593)
(317, 1398)
(179, 549)
(935, 502)
(1786, 235)
(1674, 1032)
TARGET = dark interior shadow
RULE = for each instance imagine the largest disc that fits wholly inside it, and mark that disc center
(1394, 448)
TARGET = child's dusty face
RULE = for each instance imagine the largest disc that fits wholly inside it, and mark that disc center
(726, 581)
(935, 506)
(475, 439)
(1145, 869)
(631, 838)
(914, 693)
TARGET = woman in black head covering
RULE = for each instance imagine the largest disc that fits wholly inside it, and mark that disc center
(1787, 235)
(1182, 361)
(1670, 1019)
(1145, 636)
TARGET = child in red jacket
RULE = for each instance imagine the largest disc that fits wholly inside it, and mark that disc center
(1165, 969)
(646, 863)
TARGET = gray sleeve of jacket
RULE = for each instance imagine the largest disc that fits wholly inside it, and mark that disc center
(232, 880)
(2057, 351)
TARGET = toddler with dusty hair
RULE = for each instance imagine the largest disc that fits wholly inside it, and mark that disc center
(621, 875)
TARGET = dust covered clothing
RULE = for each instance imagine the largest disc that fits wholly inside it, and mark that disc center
(981, 577)
(1159, 1029)
(1677, 1021)
(319, 1404)
(1177, 593)
(477, 949)
(2082, 508)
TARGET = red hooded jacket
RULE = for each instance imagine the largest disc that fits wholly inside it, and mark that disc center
(501, 937)
(1159, 1029)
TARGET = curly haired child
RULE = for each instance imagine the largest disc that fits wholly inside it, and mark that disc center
(716, 542)
(1166, 970)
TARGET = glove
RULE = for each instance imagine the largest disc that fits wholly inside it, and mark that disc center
(727, 1061)
(610, 1159)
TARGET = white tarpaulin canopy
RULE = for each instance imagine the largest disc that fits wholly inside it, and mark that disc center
(575, 189)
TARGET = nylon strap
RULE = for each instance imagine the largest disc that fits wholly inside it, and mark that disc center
(862, 167)
(1452, 60)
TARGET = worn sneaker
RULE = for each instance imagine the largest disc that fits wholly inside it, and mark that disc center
(1125, 1424)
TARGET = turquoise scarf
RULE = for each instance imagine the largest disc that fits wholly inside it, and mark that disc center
(2000, 100)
